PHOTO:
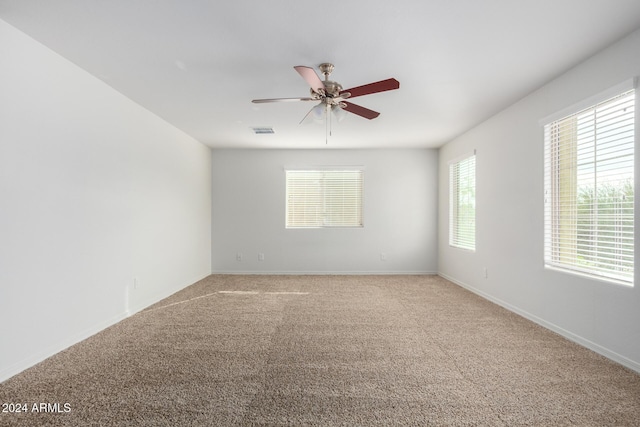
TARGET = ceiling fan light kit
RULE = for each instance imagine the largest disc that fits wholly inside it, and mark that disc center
(332, 96)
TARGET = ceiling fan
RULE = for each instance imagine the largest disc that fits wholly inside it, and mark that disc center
(332, 96)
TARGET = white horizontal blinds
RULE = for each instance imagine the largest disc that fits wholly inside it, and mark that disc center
(324, 198)
(462, 199)
(589, 184)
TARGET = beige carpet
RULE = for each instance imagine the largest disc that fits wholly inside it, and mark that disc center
(328, 351)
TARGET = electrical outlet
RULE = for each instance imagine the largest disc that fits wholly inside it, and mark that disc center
(383, 256)
(135, 282)
(486, 273)
(260, 256)
(239, 257)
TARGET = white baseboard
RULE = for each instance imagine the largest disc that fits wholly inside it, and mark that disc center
(624, 361)
(160, 295)
(49, 351)
(16, 368)
(327, 273)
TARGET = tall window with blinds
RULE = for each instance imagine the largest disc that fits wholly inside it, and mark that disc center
(462, 203)
(324, 198)
(589, 190)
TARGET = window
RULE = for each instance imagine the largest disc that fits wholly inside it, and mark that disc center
(324, 198)
(462, 203)
(589, 184)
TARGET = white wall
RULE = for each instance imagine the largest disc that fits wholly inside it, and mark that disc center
(94, 192)
(400, 215)
(509, 240)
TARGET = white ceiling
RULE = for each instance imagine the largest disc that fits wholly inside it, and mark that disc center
(199, 63)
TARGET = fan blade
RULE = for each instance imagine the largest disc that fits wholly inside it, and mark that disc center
(360, 111)
(381, 86)
(311, 77)
(261, 101)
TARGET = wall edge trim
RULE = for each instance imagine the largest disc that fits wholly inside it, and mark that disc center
(597, 348)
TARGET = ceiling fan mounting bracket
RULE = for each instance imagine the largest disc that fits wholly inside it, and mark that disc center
(326, 69)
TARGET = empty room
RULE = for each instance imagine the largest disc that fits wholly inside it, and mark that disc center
(329, 213)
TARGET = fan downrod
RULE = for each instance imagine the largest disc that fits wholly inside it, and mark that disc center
(332, 89)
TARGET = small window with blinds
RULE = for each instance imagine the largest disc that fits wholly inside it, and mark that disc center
(462, 203)
(588, 194)
(324, 198)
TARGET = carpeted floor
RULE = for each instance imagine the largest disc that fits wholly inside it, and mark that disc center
(325, 350)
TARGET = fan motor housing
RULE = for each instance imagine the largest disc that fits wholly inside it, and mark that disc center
(332, 88)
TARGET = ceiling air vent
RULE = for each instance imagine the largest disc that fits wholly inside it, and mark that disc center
(262, 130)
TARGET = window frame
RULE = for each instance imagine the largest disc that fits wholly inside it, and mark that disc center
(562, 209)
(455, 229)
(326, 220)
